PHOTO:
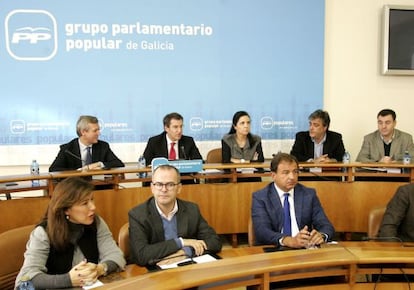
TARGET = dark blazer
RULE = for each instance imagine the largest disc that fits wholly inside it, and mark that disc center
(146, 232)
(230, 149)
(303, 148)
(398, 219)
(267, 214)
(67, 160)
(157, 147)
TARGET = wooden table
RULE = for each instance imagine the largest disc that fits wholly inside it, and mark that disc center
(244, 267)
(251, 266)
(226, 171)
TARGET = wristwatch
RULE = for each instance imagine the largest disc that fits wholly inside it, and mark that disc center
(105, 269)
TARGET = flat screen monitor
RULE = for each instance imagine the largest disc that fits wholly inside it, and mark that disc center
(398, 40)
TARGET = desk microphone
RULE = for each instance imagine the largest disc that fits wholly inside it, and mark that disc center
(397, 239)
(183, 152)
(155, 261)
(73, 155)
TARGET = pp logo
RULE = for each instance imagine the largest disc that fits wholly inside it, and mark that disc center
(267, 123)
(196, 124)
(31, 35)
(17, 126)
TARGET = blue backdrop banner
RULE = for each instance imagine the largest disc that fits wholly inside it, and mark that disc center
(131, 62)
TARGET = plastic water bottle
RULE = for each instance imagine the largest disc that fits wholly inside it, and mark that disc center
(406, 158)
(346, 159)
(25, 284)
(34, 170)
(142, 164)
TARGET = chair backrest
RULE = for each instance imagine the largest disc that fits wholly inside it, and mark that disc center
(374, 220)
(123, 240)
(250, 233)
(214, 156)
(12, 247)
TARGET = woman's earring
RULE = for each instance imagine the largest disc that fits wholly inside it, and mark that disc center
(67, 217)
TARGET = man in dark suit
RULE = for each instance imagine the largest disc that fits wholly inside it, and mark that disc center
(166, 229)
(74, 155)
(308, 226)
(397, 223)
(172, 138)
(399, 215)
(318, 144)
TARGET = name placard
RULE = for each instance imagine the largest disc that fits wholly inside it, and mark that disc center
(183, 166)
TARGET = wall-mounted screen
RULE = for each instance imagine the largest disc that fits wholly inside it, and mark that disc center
(398, 40)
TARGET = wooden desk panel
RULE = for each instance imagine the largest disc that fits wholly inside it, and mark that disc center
(21, 212)
(347, 204)
(226, 206)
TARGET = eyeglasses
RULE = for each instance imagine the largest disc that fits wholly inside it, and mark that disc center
(168, 185)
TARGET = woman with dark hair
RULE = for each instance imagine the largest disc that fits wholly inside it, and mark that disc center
(72, 246)
(239, 145)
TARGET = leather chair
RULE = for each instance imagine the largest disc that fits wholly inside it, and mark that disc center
(123, 240)
(214, 156)
(250, 233)
(374, 221)
(12, 247)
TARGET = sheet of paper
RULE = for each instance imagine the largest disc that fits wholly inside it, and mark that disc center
(212, 171)
(247, 170)
(199, 260)
(383, 169)
(94, 285)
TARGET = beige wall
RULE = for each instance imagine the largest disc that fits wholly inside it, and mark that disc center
(354, 89)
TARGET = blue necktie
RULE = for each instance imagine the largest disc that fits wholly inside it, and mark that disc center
(287, 227)
(88, 156)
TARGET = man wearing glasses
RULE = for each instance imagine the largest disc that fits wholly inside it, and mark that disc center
(165, 229)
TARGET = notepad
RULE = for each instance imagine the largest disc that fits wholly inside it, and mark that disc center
(383, 169)
(246, 170)
(199, 260)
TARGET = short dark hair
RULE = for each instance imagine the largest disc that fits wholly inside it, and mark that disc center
(323, 115)
(168, 167)
(167, 119)
(279, 157)
(386, 112)
(236, 118)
